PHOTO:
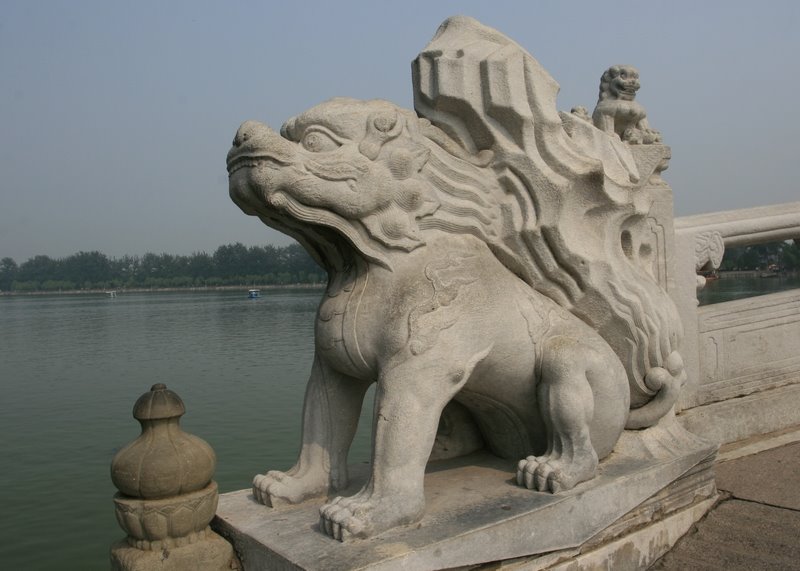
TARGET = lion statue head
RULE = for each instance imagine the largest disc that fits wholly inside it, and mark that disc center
(368, 172)
(619, 82)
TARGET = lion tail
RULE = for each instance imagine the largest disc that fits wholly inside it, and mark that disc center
(666, 382)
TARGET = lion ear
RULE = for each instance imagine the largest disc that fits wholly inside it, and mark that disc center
(382, 126)
(288, 129)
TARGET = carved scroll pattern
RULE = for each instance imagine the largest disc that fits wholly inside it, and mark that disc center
(748, 345)
(709, 248)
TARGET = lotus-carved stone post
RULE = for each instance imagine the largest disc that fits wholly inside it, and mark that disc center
(166, 493)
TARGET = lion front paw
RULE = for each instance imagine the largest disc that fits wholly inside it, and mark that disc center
(276, 489)
(555, 473)
(364, 515)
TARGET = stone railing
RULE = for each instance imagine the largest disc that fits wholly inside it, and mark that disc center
(741, 356)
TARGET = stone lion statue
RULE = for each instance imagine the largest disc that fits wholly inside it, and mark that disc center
(616, 110)
(432, 318)
(460, 275)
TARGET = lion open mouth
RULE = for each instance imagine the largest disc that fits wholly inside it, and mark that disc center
(250, 161)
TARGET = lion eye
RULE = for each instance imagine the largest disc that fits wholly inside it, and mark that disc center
(318, 141)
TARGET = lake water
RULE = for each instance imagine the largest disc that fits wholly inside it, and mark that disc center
(71, 368)
(729, 289)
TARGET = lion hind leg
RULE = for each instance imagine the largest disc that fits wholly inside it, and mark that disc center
(567, 387)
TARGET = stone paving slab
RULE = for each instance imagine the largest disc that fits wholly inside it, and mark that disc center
(757, 528)
(739, 535)
(770, 477)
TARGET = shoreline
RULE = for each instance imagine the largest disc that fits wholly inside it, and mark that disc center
(123, 290)
(755, 273)
(730, 274)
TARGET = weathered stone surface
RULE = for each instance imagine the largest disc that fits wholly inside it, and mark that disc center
(759, 443)
(487, 250)
(757, 526)
(747, 225)
(565, 176)
(640, 537)
(739, 536)
(716, 369)
(617, 112)
(637, 550)
(748, 345)
(212, 553)
(773, 477)
(477, 514)
(739, 418)
(166, 522)
(167, 497)
(164, 461)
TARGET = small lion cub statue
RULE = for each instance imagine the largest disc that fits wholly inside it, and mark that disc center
(617, 112)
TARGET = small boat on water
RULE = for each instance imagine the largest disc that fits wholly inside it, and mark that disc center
(254, 293)
(111, 293)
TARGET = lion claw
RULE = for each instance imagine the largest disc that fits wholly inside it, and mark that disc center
(555, 474)
(339, 522)
(277, 489)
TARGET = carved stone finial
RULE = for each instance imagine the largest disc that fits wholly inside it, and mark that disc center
(617, 112)
(164, 461)
(709, 248)
(166, 495)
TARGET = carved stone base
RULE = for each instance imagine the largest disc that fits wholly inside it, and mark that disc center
(212, 553)
(477, 514)
(744, 417)
(643, 535)
(153, 525)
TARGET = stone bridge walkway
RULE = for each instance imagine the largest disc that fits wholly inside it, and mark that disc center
(756, 524)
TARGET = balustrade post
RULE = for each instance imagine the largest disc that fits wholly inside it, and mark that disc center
(167, 496)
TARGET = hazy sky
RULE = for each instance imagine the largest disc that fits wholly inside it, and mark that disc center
(115, 117)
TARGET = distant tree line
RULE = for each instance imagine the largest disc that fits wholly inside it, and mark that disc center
(775, 255)
(234, 264)
(237, 264)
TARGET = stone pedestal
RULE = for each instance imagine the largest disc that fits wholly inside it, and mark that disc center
(166, 495)
(211, 553)
(655, 485)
